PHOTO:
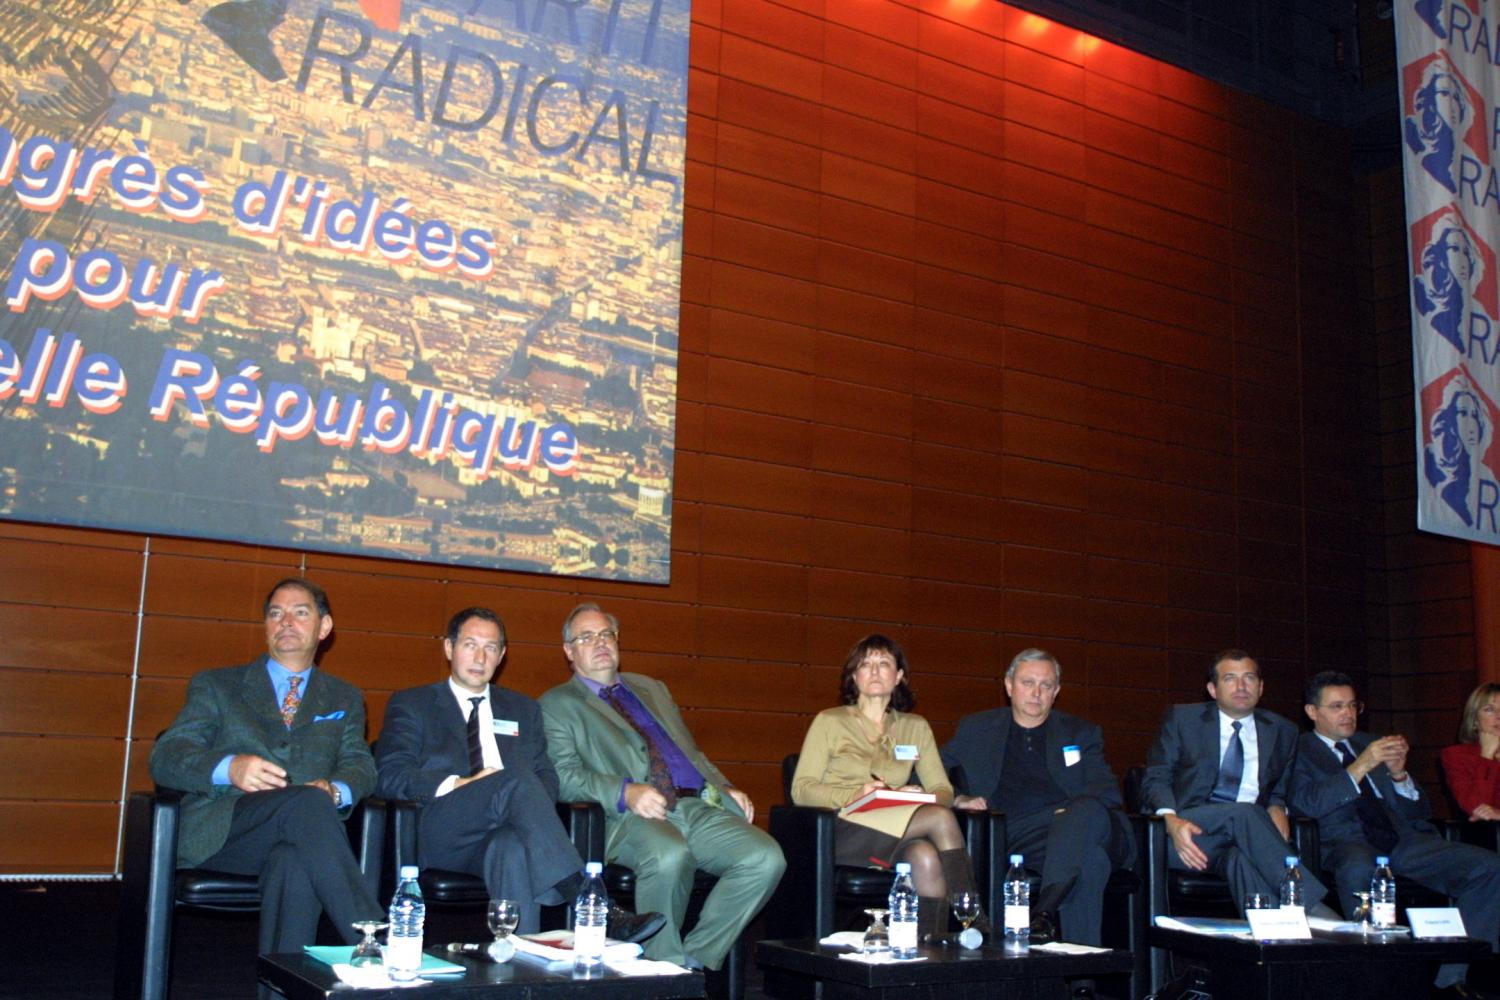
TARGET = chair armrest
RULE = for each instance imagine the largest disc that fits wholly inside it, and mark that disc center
(401, 840)
(986, 841)
(1481, 833)
(803, 904)
(147, 893)
(584, 822)
(1309, 843)
(367, 825)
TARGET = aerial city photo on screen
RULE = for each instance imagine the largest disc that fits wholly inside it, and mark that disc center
(382, 277)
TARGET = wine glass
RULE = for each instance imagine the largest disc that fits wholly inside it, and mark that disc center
(966, 908)
(1364, 914)
(367, 952)
(503, 915)
(877, 941)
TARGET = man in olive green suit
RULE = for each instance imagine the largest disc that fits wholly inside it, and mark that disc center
(271, 755)
(618, 740)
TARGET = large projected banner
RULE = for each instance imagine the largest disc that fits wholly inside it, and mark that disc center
(391, 277)
(1450, 80)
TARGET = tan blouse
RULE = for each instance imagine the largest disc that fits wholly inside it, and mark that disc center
(842, 752)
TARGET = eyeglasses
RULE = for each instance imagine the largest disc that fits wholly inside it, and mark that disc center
(1338, 706)
(608, 635)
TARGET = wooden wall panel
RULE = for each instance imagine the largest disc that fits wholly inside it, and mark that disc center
(989, 339)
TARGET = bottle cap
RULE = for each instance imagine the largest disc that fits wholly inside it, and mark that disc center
(594, 868)
(408, 871)
(1015, 859)
(1382, 861)
(903, 867)
(1291, 861)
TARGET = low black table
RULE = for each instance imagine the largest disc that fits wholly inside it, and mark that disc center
(795, 969)
(300, 977)
(1332, 966)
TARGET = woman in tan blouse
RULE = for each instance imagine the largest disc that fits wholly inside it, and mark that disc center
(872, 741)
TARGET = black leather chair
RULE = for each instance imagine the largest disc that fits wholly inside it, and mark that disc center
(585, 825)
(153, 889)
(814, 888)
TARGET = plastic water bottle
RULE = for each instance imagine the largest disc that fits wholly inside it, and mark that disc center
(403, 948)
(1291, 885)
(1383, 894)
(590, 918)
(1017, 906)
(902, 905)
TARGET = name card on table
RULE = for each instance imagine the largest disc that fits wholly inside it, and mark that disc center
(1282, 924)
(1436, 922)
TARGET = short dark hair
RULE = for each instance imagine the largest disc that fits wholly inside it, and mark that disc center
(902, 700)
(1313, 693)
(1231, 653)
(459, 620)
(319, 596)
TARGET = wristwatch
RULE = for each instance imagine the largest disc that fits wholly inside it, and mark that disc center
(338, 796)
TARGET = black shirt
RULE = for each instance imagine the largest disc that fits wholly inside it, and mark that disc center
(1025, 785)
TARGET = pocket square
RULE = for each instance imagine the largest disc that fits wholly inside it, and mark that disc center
(329, 717)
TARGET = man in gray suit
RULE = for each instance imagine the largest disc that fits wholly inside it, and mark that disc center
(474, 755)
(1046, 770)
(1358, 789)
(618, 739)
(1218, 776)
(271, 755)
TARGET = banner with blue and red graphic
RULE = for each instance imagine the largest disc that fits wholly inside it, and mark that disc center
(388, 277)
(1450, 82)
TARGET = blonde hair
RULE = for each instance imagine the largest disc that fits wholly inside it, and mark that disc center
(1468, 729)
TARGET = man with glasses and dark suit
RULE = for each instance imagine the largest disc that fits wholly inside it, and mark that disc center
(1358, 789)
(618, 739)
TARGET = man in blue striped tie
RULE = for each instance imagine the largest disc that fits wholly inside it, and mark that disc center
(1218, 775)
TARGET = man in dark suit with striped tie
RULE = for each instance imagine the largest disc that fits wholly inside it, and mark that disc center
(474, 755)
(1358, 789)
(1218, 776)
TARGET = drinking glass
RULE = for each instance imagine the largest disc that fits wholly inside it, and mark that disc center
(965, 907)
(503, 916)
(1260, 901)
(877, 941)
(367, 952)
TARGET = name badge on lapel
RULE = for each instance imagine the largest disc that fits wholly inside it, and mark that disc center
(906, 751)
(1072, 755)
(506, 727)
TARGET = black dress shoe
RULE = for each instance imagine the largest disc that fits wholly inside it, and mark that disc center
(1045, 927)
(632, 927)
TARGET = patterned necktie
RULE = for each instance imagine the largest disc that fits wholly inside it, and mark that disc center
(660, 775)
(291, 701)
(476, 752)
(1232, 770)
(1378, 829)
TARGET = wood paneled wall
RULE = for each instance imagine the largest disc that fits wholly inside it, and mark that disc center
(993, 335)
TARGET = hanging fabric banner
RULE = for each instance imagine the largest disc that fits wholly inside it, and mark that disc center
(1449, 83)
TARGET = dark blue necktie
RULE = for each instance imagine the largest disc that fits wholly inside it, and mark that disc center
(1373, 820)
(473, 736)
(1232, 770)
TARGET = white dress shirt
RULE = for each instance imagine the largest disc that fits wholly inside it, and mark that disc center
(486, 732)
